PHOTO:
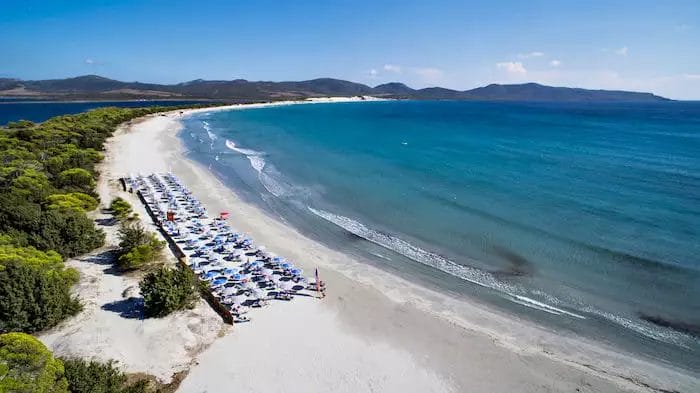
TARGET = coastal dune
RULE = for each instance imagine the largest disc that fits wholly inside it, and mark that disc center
(373, 332)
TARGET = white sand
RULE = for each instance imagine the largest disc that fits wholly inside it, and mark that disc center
(160, 347)
(374, 332)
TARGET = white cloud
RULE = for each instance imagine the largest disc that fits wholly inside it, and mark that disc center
(373, 72)
(89, 61)
(392, 68)
(622, 51)
(555, 63)
(512, 67)
(530, 55)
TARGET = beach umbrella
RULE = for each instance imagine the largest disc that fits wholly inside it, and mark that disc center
(237, 277)
(256, 264)
(296, 271)
(229, 291)
(286, 285)
(211, 274)
(220, 281)
(258, 293)
(239, 299)
(232, 270)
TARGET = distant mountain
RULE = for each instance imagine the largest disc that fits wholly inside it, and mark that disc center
(537, 92)
(98, 87)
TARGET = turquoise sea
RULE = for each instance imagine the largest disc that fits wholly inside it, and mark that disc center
(581, 217)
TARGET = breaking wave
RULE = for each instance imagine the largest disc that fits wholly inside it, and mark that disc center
(514, 293)
(273, 185)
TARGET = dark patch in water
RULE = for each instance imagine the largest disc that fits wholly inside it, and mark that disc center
(679, 326)
(353, 236)
(618, 256)
(519, 266)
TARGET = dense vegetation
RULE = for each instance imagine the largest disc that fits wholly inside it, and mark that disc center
(120, 208)
(137, 247)
(167, 290)
(26, 365)
(47, 184)
(34, 288)
(95, 377)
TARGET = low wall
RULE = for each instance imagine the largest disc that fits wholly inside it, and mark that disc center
(182, 261)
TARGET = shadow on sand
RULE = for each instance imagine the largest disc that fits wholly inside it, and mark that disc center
(131, 308)
(107, 259)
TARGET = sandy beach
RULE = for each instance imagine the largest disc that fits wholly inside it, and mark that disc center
(373, 332)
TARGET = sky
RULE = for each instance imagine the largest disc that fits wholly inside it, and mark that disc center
(628, 45)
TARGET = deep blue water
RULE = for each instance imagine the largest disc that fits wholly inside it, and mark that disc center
(578, 216)
(38, 111)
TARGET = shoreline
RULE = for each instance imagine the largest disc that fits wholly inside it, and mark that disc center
(368, 334)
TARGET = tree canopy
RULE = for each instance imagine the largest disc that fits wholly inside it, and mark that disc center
(47, 184)
(167, 290)
(26, 365)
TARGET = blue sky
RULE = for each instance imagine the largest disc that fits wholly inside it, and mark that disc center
(636, 45)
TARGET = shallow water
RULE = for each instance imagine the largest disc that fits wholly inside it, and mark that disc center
(579, 216)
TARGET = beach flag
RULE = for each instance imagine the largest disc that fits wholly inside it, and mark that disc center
(318, 283)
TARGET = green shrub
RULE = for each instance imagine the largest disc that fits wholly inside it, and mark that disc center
(34, 289)
(26, 365)
(69, 232)
(66, 231)
(167, 290)
(137, 247)
(95, 377)
(72, 201)
(76, 179)
(32, 185)
(120, 208)
(47, 181)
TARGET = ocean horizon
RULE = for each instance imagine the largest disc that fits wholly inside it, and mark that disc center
(579, 217)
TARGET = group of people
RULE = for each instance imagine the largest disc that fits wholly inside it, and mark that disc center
(240, 275)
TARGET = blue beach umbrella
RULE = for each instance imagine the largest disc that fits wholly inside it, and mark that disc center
(296, 272)
(211, 274)
(219, 281)
(255, 265)
(237, 277)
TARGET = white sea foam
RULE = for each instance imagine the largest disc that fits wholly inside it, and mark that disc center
(376, 254)
(509, 291)
(486, 279)
(526, 301)
(475, 276)
(246, 152)
(273, 185)
(255, 157)
(645, 328)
